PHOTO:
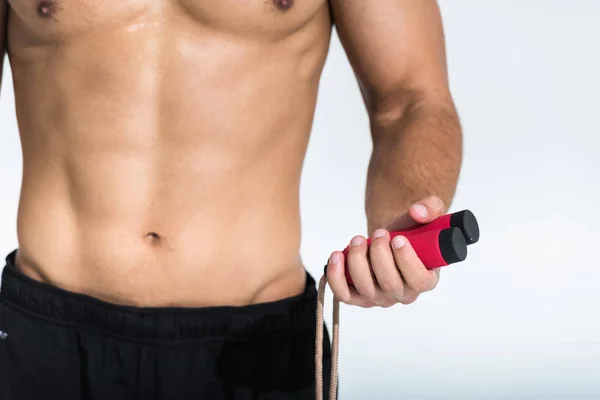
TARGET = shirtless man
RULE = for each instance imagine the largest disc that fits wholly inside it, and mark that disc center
(158, 225)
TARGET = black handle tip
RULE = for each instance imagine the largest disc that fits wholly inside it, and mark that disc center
(466, 221)
(453, 245)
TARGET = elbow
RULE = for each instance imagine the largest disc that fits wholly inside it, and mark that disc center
(388, 105)
(394, 113)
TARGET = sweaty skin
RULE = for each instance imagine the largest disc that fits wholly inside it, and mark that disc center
(163, 140)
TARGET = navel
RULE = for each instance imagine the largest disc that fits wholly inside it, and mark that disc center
(47, 8)
(283, 5)
(154, 239)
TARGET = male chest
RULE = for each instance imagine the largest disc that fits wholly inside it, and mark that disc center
(63, 17)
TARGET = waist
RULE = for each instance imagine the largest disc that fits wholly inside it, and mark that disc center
(155, 324)
(192, 278)
(204, 260)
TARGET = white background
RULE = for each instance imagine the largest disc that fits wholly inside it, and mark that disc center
(520, 318)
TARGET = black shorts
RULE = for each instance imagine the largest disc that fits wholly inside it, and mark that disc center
(60, 345)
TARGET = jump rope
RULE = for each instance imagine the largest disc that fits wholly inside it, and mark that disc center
(439, 243)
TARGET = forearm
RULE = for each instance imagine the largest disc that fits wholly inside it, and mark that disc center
(416, 153)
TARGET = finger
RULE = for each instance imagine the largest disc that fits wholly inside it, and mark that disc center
(410, 296)
(336, 277)
(427, 209)
(360, 270)
(384, 266)
(416, 276)
(356, 299)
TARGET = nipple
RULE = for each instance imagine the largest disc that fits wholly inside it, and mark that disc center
(283, 5)
(47, 8)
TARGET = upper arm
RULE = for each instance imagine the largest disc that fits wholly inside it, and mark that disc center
(396, 48)
(3, 27)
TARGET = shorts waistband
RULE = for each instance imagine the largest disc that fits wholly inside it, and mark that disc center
(168, 324)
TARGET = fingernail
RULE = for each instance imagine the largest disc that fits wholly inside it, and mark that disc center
(398, 242)
(335, 258)
(420, 210)
(379, 233)
(356, 241)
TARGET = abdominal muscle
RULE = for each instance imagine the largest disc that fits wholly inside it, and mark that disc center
(167, 172)
(194, 242)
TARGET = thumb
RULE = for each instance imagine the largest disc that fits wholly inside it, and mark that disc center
(427, 209)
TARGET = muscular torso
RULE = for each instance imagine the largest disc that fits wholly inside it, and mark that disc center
(163, 142)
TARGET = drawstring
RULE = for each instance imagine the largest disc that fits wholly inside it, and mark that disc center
(319, 343)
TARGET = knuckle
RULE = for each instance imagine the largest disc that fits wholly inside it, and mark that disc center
(399, 254)
(403, 258)
(391, 286)
(356, 253)
(381, 303)
(341, 295)
(422, 284)
(353, 251)
(409, 299)
(365, 289)
(379, 244)
(345, 300)
(370, 295)
(388, 304)
(433, 284)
